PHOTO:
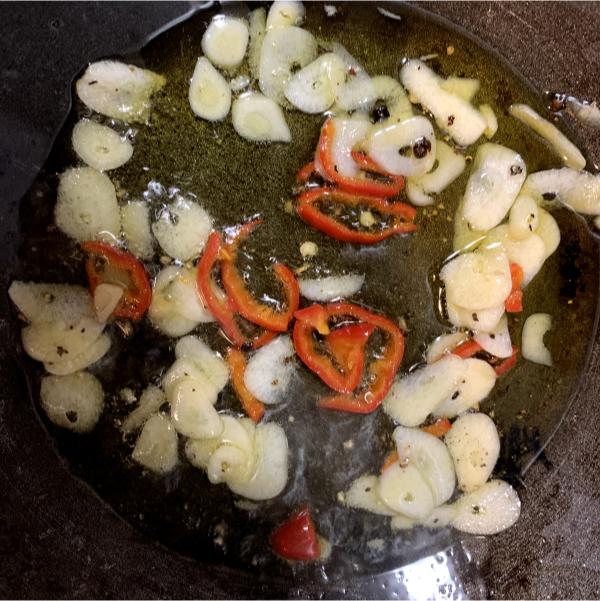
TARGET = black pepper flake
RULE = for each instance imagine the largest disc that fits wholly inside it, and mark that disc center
(516, 169)
(380, 112)
(71, 416)
(450, 120)
(549, 195)
(421, 147)
(368, 489)
(61, 350)
(474, 316)
(456, 395)
(335, 168)
(93, 82)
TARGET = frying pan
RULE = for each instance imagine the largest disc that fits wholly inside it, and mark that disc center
(59, 539)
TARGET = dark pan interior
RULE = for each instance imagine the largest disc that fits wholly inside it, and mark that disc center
(235, 181)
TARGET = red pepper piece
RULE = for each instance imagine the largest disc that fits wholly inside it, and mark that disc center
(112, 266)
(380, 372)
(439, 428)
(237, 364)
(247, 305)
(467, 349)
(402, 215)
(514, 302)
(368, 164)
(297, 537)
(507, 364)
(347, 346)
(305, 172)
(220, 305)
(356, 185)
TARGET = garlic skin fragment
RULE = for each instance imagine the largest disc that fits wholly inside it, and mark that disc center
(209, 94)
(106, 299)
(156, 446)
(259, 119)
(118, 90)
(497, 177)
(488, 510)
(474, 445)
(532, 339)
(225, 41)
(454, 115)
(86, 207)
(99, 146)
(73, 401)
(568, 152)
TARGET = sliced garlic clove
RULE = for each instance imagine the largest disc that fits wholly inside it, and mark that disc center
(568, 152)
(405, 491)
(474, 445)
(99, 146)
(430, 456)
(362, 494)
(86, 207)
(192, 409)
(497, 342)
(490, 119)
(135, 226)
(151, 400)
(257, 118)
(106, 299)
(73, 401)
(118, 90)
(331, 287)
(257, 31)
(225, 41)
(156, 446)
(532, 339)
(464, 87)
(477, 383)
(523, 218)
(285, 13)
(214, 367)
(444, 344)
(488, 510)
(414, 396)
(209, 94)
(497, 177)
(481, 319)
(70, 364)
(548, 231)
(407, 148)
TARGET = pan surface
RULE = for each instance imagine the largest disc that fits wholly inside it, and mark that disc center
(572, 276)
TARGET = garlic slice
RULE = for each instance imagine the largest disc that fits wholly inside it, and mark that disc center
(490, 119)
(257, 118)
(151, 400)
(257, 30)
(362, 494)
(532, 339)
(406, 148)
(488, 510)
(474, 445)
(454, 115)
(481, 319)
(464, 87)
(523, 218)
(73, 401)
(430, 456)
(209, 94)
(331, 287)
(69, 364)
(444, 344)
(99, 146)
(414, 396)
(348, 133)
(478, 280)
(283, 49)
(135, 227)
(313, 88)
(579, 190)
(404, 490)
(156, 446)
(497, 341)
(497, 177)
(450, 166)
(182, 229)
(285, 13)
(548, 231)
(86, 207)
(568, 152)
(393, 94)
(476, 384)
(225, 41)
(106, 298)
(270, 370)
(118, 90)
